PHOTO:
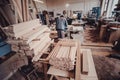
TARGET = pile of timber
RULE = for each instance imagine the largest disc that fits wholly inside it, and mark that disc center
(29, 38)
(63, 55)
(84, 68)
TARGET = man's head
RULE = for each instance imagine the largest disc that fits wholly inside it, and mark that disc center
(62, 17)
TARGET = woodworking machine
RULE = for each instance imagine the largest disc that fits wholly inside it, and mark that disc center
(5, 48)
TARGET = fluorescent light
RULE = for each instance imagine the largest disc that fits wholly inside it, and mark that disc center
(39, 1)
(67, 5)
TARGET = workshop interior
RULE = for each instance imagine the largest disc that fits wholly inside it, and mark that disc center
(59, 39)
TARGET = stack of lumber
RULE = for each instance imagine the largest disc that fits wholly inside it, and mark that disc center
(63, 55)
(84, 68)
(30, 38)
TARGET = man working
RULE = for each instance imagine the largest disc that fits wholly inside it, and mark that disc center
(61, 26)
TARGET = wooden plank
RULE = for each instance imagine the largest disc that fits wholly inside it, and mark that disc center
(37, 57)
(2, 12)
(16, 4)
(51, 78)
(57, 72)
(27, 10)
(40, 46)
(85, 64)
(67, 44)
(36, 34)
(78, 64)
(35, 6)
(9, 13)
(26, 25)
(23, 10)
(16, 15)
(97, 44)
(61, 78)
(92, 75)
(53, 52)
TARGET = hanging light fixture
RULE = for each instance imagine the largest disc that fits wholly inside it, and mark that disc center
(67, 5)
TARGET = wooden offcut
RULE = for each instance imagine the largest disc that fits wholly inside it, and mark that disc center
(85, 64)
(91, 67)
(78, 64)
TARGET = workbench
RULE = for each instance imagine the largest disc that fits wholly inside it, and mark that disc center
(107, 20)
(78, 23)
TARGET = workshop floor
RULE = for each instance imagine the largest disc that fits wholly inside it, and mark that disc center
(90, 35)
(107, 68)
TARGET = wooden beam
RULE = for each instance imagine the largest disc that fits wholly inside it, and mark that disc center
(2, 12)
(85, 65)
(57, 72)
(35, 5)
(92, 72)
(18, 8)
(24, 10)
(51, 78)
(78, 64)
(27, 10)
(97, 44)
(16, 15)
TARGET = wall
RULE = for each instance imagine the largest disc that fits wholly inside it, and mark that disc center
(59, 5)
(41, 6)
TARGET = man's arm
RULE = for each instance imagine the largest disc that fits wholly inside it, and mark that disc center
(66, 24)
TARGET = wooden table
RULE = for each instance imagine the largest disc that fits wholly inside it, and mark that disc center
(78, 23)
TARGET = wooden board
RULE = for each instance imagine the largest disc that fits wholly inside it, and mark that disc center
(97, 44)
(78, 64)
(85, 64)
(57, 72)
(37, 57)
(19, 11)
(92, 75)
